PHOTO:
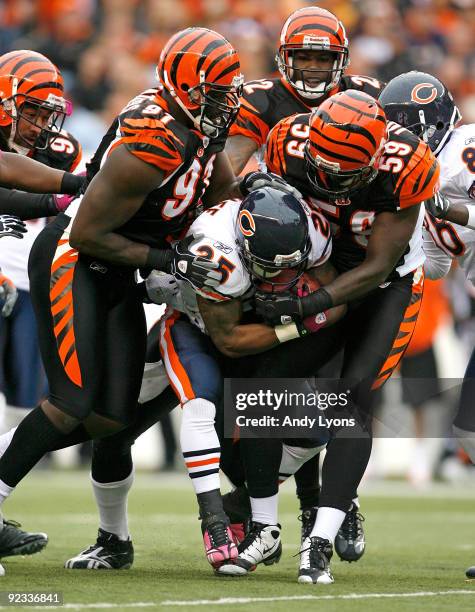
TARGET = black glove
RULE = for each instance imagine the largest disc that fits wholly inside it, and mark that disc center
(257, 180)
(278, 308)
(438, 206)
(12, 226)
(198, 271)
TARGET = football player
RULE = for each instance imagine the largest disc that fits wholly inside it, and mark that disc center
(368, 177)
(156, 168)
(243, 239)
(32, 111)
(312, 57)
(421, 103)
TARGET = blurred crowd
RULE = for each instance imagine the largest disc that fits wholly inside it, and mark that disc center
(108, 49)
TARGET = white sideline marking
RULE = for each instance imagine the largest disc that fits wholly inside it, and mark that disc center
(246, 600)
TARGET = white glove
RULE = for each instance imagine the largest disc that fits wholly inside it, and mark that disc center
(163, 288)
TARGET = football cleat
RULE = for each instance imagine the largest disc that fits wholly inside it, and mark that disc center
(220, 546)
(14, 541)
(470, 573)
(237, 507)
(349, 542)
(315, 555)
(109, 552)
(307, 519)
(261, 545)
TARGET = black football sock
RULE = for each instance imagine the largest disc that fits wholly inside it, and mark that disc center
(307, 481)
(261, 459)
(210, 503)
(34, 437)
(111, 460)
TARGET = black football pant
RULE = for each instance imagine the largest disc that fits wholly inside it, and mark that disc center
(373, 336)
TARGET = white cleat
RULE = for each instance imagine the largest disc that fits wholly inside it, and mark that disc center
(315, 555)
(261, 545)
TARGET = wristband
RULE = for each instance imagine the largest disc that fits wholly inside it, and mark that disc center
(316, 302)
(71, 183)
(471, 217)
(286, 332)
(159, 259)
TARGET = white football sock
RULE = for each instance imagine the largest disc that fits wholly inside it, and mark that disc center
(200, 444)
(5, 440)
(111, 499)
(356, 502)
(265, 509)
(328, 523)
(5, 491)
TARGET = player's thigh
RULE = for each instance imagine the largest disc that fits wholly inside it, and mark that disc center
(69, 309)
(380, 328)
(190, 360)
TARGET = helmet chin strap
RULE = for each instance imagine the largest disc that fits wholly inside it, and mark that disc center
(196, 120)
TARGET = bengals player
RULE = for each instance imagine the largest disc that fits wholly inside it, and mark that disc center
(164, 160)
(368, 177)
(312, 57)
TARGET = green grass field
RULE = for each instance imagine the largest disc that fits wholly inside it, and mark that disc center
(416, 544)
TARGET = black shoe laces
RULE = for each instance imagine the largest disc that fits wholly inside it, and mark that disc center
(218, 533)
(307, 519)
(351, 527)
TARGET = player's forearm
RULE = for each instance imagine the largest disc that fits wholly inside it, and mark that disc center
(26, 205)
(245, 340)
(347, 287)
(111, 247)
(25, 173)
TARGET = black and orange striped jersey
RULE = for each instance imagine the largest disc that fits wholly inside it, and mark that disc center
(184, 155)
(408, 173)
(62, 153)
(265, 102)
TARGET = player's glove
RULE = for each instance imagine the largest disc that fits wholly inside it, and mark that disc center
(438, 206)
(278, 308)
(185, 265)
(257, 180)
(162, 288)
(9, 295)
(12, 226)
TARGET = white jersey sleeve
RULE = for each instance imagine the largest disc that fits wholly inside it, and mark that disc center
(457, 182)
(218, 243)
(320, 237)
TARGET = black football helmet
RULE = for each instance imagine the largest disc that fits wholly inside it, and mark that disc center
(421, 103)
(272, 232)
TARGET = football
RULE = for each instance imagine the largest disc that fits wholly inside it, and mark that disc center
(305, 285)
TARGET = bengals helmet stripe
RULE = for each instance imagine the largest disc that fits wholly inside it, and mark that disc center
(27, 77)
(201, 70)
(312, 29)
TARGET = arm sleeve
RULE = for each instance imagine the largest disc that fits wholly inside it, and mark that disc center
(26, 205)
(437, 263)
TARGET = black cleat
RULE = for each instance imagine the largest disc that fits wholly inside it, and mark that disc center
(470, 573)
(261, 545)
(307, 518)
(237, 507)
(349, 542)
(107, 553)
(14, 541)
(315, 555)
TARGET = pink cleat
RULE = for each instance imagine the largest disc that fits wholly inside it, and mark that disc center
(218, 540)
